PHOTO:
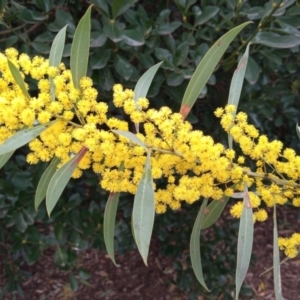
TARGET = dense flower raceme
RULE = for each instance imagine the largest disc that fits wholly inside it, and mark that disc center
(192, 165)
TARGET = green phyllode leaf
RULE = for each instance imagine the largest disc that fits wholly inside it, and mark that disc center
(60, 179)
(22, 137)
(142, 86)
(213, 211)
(109, 224)
(195, 245)
(5, 157)
(143, 211)
(206, 68)
(80, 48)
(41, 190)
(237, 84)
(131, 136)
(276, 259)
(298, 130)
(55, 55)
(18, 78)
(245, 242)
(110, 220)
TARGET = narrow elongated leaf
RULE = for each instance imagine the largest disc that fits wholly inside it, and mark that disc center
(298, 130)
(213, 211)
(276, 259)
(80, 48)
(110, 220)
(22, 137)
(55, 55)
(131, 136)
(143, 211)
(60, 180)
(44, 182)
(18, 78)
(143, 84)
(275, 40)
(195, 245)
(206, 68)
(109, 224)
(245, 242)
(5, 157)
(237, 84)
(57, 48)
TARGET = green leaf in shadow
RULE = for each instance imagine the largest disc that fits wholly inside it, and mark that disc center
(5, 157)
(195, 245)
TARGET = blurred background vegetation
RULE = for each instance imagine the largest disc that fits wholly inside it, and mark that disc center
(127, 38)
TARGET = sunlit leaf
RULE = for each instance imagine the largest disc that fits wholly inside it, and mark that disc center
(213, 211)
(18, 78)
(245, 242)
(143, 211)
(41, 190)
(22, 137)
(80, 48)
(60, 180)
(206, 68)
(195, 245)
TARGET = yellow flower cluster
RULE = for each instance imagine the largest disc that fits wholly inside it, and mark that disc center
(291, 246)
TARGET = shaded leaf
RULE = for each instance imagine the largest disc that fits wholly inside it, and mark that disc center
(123, 67)
(60, 180)
(213, 211)
(168, 28)
(18, 78)
(175, 79)
(207, 13)
(22, 137)
(143, 211)
(5, 157)
(133, 38)
(73, 282)
(120, 6)
(113, 31)
(245, 242)
(195, 245)
(275, 40)
(98, 39)
(41, 190)
(80, 48)
(206, 68)
(100, 59)
(253, 71)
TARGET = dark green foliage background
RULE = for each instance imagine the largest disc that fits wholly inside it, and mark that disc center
(128, 37)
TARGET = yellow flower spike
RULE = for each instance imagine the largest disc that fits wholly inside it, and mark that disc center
(261, 215)
(237, 209)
